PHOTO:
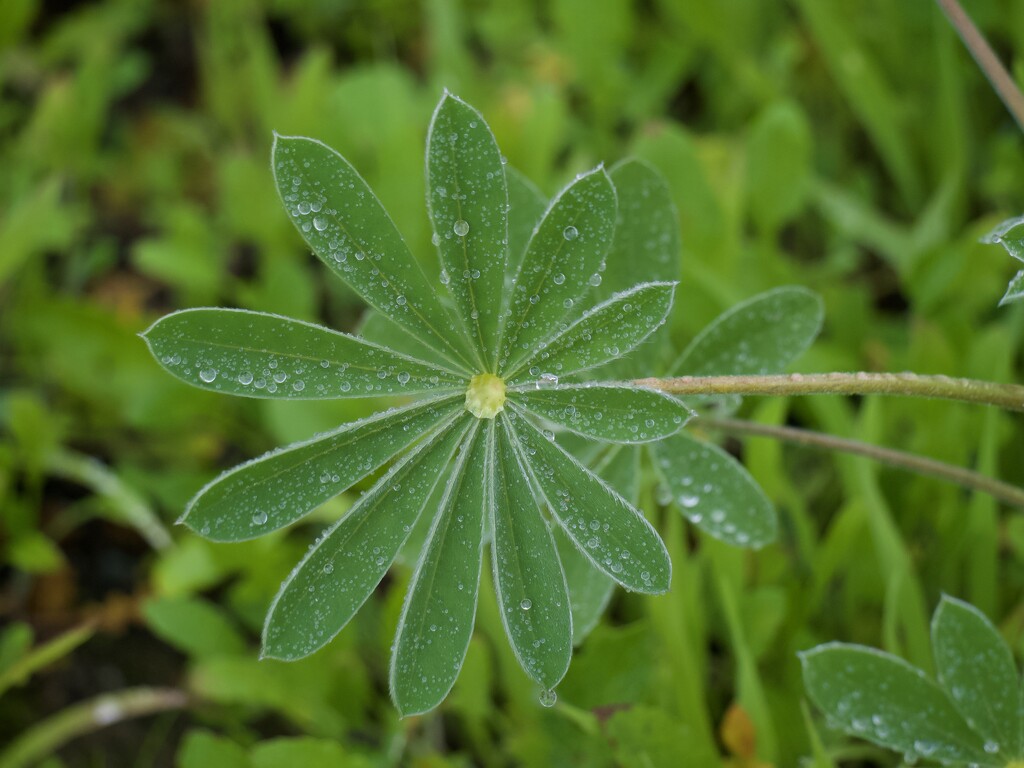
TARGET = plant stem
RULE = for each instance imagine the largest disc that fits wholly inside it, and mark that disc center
(51, 734)
(1004, 492)
(986, 58)
(1008, 396)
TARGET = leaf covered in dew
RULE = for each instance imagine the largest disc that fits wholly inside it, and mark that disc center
(255, 354)
(616, 413)
(1010, 235)
(881, 698)
(1015, 290)
(526, 206)
(714, 491)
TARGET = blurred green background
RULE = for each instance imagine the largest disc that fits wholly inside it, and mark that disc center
(848, 146)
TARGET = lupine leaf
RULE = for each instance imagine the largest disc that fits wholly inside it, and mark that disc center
(284, 485)
(760, 336)
(528, 579)
(526, 206)
(346, 226)
(561, 263)
(1015, 290)
(1010, 235)
(715, 492)
(255, 354)
(440, 608)
(590, 589)
(347, 563)
(616, 413)
(376, 328)
(609, 330)
(882, 698)
(976, 668)
(612, 533)
(467, 200)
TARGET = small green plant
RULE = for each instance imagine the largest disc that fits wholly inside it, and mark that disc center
(971, 716)
(1010, 235)
(492, 367)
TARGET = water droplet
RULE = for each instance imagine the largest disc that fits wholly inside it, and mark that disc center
(559, 278)
(400, 300)
(570, 233)
(461, 227)
(595, 280)
(689, 502)
(444, 278)
(319, 223)
(245, 378)
(403, 378)
(260, 518)
(526, 604)
(329, 568)
(299, 385)
(304, 208)
(208, 374)
(547, 698)
(991, 747)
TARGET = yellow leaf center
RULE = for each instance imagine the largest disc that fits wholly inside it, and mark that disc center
(485, 397)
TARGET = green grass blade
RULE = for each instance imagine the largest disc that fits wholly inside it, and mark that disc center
(977, 671)
(604, 333)
(277, 489)
(526, 206)
(715, 492)
(255, 354)
(561, 264)
(610, 531)
(468, 200)
(589, 589)
(440, 608)
(344, 223)
(881, 698)
(530, 586)
(616, 413)
(347, 563)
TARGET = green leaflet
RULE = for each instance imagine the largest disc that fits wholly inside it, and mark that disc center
(347, 563)
(531, 589)
(779, 165)
(467, 200)
(279, 488)
(589, 589)
(1015, 290)
(617, 413)
(977, 671)
(562, 262)
(760, 336)
(254, 354)
(715, 492)
(609, 330)
(346, 226)
(613, 534)
(376, 328)
(882, 698)
(526, 206)
(440, 608)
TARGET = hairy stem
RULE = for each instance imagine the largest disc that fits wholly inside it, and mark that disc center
(1004, 492)
(1001, 80)
(51, 734)
(1008, 396)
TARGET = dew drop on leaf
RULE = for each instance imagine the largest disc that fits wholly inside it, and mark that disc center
(260, 518)
(526, 604)
(208, 375)
(547, 698)
(570, 233)
(461, 227)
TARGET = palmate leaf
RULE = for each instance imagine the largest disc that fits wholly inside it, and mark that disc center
(277, 489)
(468, 200)
(561, 263)
(440, 608)
(347, 563)
(616, 413)
(255, 354)
(346, 226)
(613, 534)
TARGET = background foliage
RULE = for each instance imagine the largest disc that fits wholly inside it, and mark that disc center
(849, 147)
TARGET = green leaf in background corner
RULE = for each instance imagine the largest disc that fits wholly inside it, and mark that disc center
(561, 264)
(193, 625)
(526, 206)
(1015, 290)
(468, 204)
(714, 491)
(440, 608)
(528, 579)
(43, 655)
(882, 698)
(646, 243)
(282, 486)
(645, 736)
(976, 669)
(778, 165)
(254, 354)
(349, 230)
(615, 413)
(604, 333)
(339, 572)
(611, 532)
(202, 749)
(590, 589)
(304, 751)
